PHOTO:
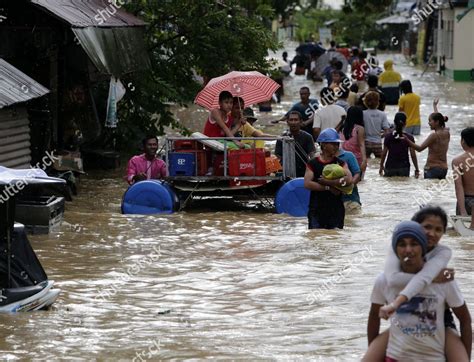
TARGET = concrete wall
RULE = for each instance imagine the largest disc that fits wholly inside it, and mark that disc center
(460, 66)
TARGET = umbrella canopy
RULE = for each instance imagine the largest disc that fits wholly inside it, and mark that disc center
(252, 87)
(308, 48)
(323, 61)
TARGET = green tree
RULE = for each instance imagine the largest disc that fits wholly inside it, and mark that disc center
(189, 37)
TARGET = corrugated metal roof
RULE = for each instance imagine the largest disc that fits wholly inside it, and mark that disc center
(16, 86)
(115, 51)
(394, 19)
(85, 13)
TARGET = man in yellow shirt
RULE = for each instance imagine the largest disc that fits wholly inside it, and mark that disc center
(389, 82)
(409, 103)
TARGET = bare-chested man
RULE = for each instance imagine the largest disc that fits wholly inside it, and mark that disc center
(463, 174)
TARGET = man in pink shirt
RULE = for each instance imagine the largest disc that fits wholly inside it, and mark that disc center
(146, 166)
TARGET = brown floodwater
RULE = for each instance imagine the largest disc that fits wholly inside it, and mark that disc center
(210, 283)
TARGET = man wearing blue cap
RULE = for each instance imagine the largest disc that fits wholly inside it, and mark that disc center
(417, 330)
(326, 208)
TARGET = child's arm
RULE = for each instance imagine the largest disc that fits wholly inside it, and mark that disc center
(438, 260)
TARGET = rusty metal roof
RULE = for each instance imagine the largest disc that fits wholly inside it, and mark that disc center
(16, 86)
(86, 13)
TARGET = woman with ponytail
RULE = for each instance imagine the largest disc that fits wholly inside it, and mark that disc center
(395, 150)
(353, 136)
(437, 143)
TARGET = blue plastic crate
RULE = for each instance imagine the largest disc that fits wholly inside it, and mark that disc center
(182, 164)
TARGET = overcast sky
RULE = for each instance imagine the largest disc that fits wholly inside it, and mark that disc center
(336, 4)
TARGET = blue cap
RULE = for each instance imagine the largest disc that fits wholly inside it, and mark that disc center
(410, 229)
(329, 135)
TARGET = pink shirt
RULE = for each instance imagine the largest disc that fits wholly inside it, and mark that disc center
(155, 169)
(352, 144)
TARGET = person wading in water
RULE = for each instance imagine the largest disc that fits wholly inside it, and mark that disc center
(326, 208)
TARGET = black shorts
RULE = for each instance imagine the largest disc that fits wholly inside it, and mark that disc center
(394, 172)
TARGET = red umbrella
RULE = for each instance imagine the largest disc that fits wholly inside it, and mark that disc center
(252, 87)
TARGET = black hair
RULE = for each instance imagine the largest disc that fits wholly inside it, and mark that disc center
(363, 54)
(225, 95)
(343, 93)
(467, 134)
(333, 43)
(372, 81)
(297, 113)
(305, 87)
(354, 88)
(338, 65)
(355, 52)
(148, 137)
(355, 115)
(430, 210)
(405, 87)
(327, 96)
(238, 100)
(439, 118)
(400, 122)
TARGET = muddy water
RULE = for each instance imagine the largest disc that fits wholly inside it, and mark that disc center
(208, 283)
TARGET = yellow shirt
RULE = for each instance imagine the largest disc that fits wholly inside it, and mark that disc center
(410, 105)
(247, 131)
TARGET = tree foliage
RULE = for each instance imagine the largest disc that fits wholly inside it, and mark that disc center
(186, 38)
(355, 22)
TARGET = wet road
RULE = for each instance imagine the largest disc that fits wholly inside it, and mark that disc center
(230, 285)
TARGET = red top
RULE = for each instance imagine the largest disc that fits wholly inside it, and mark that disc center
(212, 129)
(359, 70)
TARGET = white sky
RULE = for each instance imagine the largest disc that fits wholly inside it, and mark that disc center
(336, 4)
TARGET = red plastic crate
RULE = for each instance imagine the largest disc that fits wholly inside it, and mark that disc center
(247, 162)
(181, 145)
(201, 160)
(218, 164)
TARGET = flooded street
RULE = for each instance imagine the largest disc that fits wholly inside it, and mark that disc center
(243, 285)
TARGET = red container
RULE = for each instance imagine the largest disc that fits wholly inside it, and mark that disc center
(201, 160)
(218, 164)
(180, 145)
(247, 162)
